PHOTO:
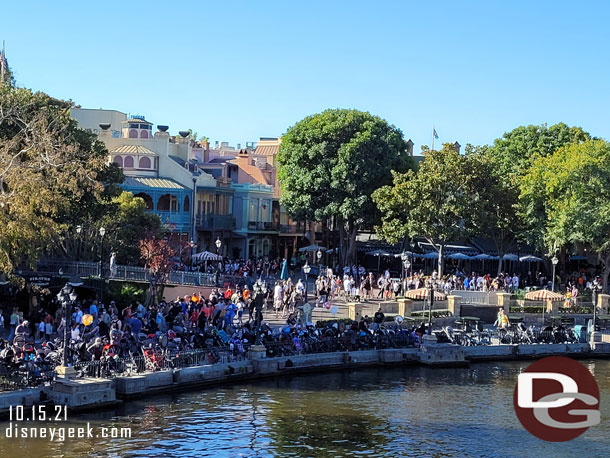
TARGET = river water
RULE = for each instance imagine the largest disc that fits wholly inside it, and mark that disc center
(410, 411)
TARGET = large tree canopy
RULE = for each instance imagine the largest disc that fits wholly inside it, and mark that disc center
(575, 183)
(330, 164)
(514, 154)
(435, 203)
(51, 174)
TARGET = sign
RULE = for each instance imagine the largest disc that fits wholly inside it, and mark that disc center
(557, 399)
(40, 281)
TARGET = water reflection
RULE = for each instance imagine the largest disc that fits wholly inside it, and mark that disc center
(379, 412)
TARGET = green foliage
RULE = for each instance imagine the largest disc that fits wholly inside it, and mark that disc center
(124, 293)
(574, 183)
(515, 153)
(127, 222)
(436, 202)
(435, 314)
(324, 323)
(527, 309)
(330, 163)
(51, 174)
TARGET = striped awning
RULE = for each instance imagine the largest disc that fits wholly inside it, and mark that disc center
(422, 293)
(544, 295)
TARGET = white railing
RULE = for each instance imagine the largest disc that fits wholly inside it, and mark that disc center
(122, 273)
(477, 297)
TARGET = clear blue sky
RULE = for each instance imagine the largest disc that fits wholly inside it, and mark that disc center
(239, 70)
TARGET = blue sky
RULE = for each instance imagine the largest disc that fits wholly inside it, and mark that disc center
(239, 70)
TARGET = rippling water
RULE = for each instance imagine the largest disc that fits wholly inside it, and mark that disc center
(411, 411)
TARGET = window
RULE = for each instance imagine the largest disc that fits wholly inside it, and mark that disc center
(186, 205)
(128, 162)
(144, 163)
(144, 134)
(133, 125)
(133, 133)
(118, 160)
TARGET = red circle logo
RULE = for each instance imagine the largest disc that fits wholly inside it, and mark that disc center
(556, 399)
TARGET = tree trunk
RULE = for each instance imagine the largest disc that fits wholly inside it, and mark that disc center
(351, 243)
(500, 255)
(605, 273)
(440, 261)
(342, 257)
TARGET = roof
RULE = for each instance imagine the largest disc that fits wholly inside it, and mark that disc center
(256, 173)
(268, 146)
(132, 149)
(158, 183)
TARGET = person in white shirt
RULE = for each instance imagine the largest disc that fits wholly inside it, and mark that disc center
(278, 295)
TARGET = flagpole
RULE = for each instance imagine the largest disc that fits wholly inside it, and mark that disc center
(432, 137)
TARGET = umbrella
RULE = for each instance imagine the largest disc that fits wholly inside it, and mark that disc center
(530, 259)
(206, 256)
(481, 257)
(422, 293)
(313, 247)
(578, 258)
(544, 295)
(379, 253)
(459, 256)
(430, 255)
(399, 255)
(510, 257)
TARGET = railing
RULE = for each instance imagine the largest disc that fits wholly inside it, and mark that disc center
(477, 297)
(215, 222)
(113, 367)
(292, 228)
(122, 273)
(263, 226)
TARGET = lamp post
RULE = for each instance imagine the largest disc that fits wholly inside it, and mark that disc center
(79, 229)
(67, 296)
(319, 255)
(407, 264)
(554, 261)
(218, 245)
(431, 305)
(306, 269)
(597, 288)
(102, 234)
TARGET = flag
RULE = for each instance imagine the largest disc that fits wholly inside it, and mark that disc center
(435, 134)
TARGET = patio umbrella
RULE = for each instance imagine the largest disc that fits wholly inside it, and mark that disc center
(205, 256)
(530, 258)
(461, 256)
(481, 257)
(578, 258)
(544, 295)
(430, 255)
(510, 257)
(379, 254)
(422, 293)
(313, 247)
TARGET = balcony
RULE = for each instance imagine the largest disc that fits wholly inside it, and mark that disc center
(212, 222)
(181, 220)
(263, 226)
(291, 229)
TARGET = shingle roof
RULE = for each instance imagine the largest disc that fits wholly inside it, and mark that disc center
(256, 173)
(132, 149)
(159, 183)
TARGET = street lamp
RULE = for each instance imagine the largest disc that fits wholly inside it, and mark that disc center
(67, 296)
(218, 245)
(102, 234)
(306, 269)
(319, 255)
(431, 293)
(79, 229)
(554, 261)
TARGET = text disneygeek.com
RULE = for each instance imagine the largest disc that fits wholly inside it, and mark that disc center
(62, 433)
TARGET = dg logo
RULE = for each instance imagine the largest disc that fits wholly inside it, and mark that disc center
(557, 399)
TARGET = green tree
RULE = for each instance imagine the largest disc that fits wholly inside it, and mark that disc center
(330, 163)
(494, 211)
(515, 152)
(51, 173)
(435, 203)
(575, 183)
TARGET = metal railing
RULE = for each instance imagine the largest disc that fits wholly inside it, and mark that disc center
(476, 297)
(215, 221)
(122, 273)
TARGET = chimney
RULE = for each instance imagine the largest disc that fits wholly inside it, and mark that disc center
(162, 132)
(104, 131)
(456, 146)
(185, 137)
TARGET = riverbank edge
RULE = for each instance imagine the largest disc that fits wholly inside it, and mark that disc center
(84, 395)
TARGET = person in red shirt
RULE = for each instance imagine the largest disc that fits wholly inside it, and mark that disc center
(228, 293)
